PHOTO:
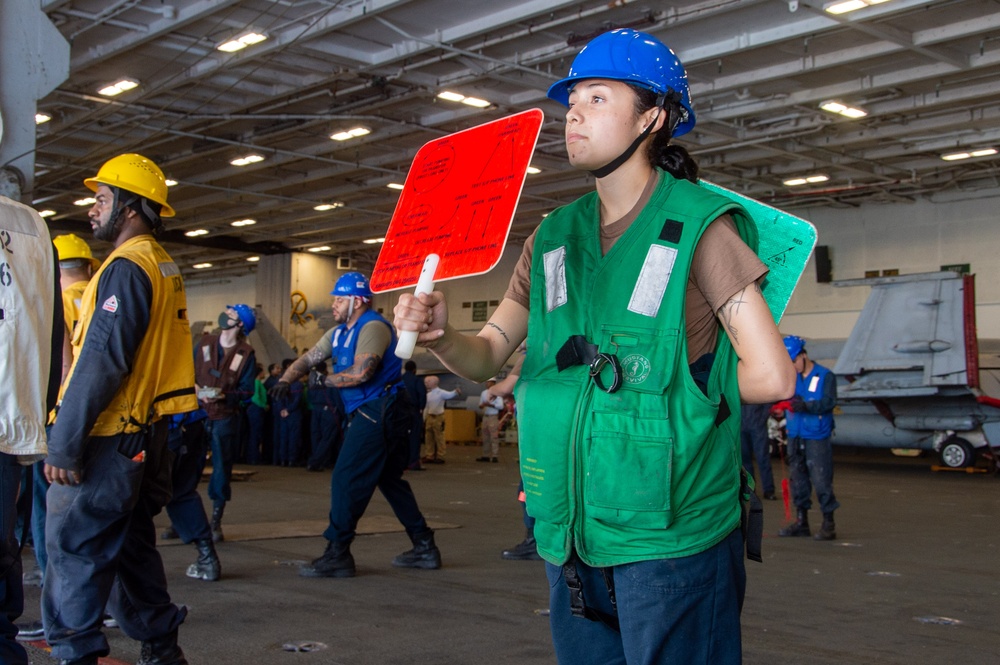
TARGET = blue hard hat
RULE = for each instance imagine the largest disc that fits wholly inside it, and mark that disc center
(632, 57)
(247, 317)
(352, 284)
(794, 345)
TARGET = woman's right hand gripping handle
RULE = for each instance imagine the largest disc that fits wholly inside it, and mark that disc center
(426, 314)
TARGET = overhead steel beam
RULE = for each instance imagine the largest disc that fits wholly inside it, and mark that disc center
(185, 15)
(35, 60)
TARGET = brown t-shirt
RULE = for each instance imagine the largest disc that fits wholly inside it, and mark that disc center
(722, 266)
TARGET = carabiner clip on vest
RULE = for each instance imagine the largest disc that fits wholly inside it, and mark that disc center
(578, 351)
(598, 364)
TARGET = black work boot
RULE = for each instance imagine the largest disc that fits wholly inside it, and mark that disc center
(207, 566)
(161, 651)
(424, 554)
(336, 561)
(217, 512)
(526, 550)
(798, 528)
(829, 530)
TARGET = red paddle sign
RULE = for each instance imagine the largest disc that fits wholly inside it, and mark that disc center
(458, 202)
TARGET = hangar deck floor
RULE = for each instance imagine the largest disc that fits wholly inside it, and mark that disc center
(912, 579)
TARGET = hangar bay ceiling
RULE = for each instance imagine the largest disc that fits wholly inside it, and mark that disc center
(925, 76)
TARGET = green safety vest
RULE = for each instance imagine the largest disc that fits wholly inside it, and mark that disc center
(653, 470)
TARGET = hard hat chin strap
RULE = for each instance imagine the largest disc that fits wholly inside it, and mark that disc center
(149, 215)
(613, 165)
(673, 118)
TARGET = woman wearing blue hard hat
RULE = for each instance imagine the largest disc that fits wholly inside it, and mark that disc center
(647, 328)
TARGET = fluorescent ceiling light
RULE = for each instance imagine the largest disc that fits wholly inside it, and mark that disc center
(804, 180)
(118, 88)
(324, 248)
(242, 42)
(201, 266)
(450, 96)
(373, 241)
(323, 207)
(253, 259)
(46, 213)
(956, 156)
(196, 232)
(354, 133)
(845, 6)
(852, 112)
(249, 159)
(86, 201)
(394, 185)
(533, 170)
(42, 118)
(243, 222)
(170, 182)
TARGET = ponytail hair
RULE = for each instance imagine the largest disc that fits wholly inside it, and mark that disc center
(673, 159)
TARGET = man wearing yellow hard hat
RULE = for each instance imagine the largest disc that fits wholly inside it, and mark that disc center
(132, 366)
(76, 266)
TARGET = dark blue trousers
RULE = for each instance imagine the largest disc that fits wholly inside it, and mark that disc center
(255, 434)
(11, 591)
(289, 438)
(754, 444)
(223, 436)
(374, 454)
(186, 510)
(416, 437)
(326, 437)
(102, 548)
(684, 610)
(810, 462)
(39, 488)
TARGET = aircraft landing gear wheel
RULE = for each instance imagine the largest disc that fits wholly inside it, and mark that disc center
(957, 453)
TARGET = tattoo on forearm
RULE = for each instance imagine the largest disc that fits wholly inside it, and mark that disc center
(306, 362)
(499, 330)
(730, 309)
(362, 370)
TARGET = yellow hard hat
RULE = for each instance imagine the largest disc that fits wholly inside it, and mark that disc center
(137, 174)
(71, 246)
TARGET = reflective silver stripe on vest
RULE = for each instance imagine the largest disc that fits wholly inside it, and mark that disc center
(555, 278)
(169, 269)
(652, 283)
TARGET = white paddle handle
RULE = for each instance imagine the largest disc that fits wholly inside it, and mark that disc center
(408, 338)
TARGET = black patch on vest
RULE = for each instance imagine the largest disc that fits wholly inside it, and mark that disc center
(671, 231)
(724, 411)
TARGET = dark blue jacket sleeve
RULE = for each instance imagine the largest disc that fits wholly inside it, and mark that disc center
(825, 403)
(421, 395)
(119, 324)
(58, 332)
